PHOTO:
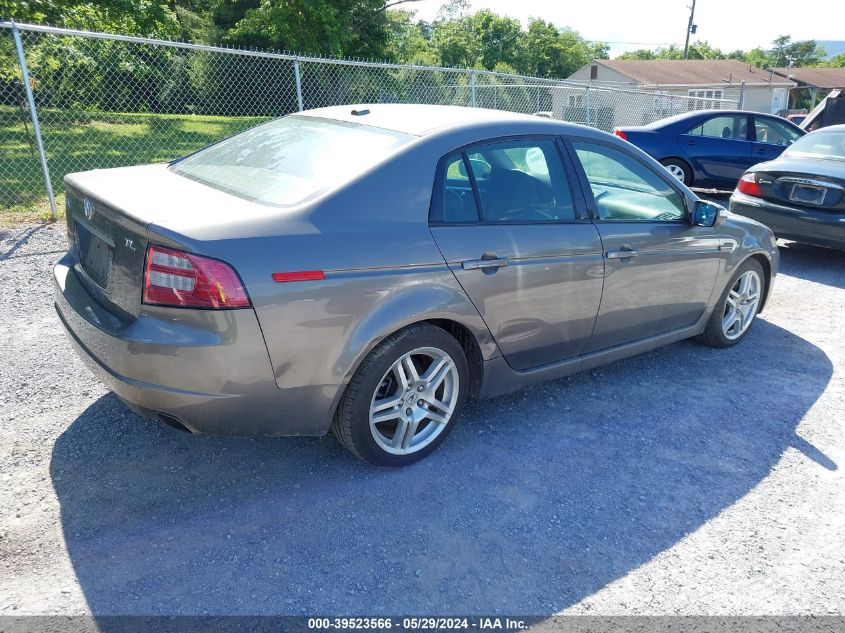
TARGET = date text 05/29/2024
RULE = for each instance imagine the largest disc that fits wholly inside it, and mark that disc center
(418, 623)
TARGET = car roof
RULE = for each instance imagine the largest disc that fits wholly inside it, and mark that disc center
(840, 127)
(684, 116)
(419, 119)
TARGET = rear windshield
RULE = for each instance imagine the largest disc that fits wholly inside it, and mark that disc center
(289, 160)
(819, 145)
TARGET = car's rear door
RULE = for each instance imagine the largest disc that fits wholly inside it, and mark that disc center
(771, 136)
(515, 232)
(659, 269)
(718, 148)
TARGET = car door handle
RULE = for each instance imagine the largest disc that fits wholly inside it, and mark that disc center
(760, 150)
(623, 253)
(492, 262)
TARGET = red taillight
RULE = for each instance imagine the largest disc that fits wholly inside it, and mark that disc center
(620, 134)
(184, 280)
(748, 185)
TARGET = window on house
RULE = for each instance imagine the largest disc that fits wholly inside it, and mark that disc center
(705, 99)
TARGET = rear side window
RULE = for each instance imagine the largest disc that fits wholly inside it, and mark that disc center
(458, 199)
(290, 160)
(519, 181)
(733, 127)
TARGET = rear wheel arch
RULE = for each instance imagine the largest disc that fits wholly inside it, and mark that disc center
(469, 343)
(352, 418)
(461, 332)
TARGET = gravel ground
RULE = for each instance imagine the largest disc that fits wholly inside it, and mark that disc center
(687, 480)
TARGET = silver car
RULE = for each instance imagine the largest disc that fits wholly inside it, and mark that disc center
(370, 268)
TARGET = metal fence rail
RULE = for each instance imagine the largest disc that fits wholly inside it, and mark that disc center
(74, 100)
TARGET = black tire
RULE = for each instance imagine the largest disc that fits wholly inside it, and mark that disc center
(679, 164)
(351, 423)
(714, 334)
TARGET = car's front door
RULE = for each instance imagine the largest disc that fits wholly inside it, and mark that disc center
(718, 148)
(516, 234)
(771, 137)
(659, 269)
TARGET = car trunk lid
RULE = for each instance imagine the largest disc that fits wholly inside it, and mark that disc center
(809, 184)
(110, 247)
(113, 214)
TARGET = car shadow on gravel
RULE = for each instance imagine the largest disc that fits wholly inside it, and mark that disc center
(536, 501)
(821, 265)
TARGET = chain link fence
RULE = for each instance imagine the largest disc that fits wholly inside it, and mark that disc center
(106, 100)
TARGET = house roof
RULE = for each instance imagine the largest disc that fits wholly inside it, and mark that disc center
(827, 78)
(691, 72)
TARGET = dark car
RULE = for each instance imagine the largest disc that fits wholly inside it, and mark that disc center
(712, 148)
(801, 195)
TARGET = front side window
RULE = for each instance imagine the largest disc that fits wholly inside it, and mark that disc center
(290, 160)
(626, 190)
(734, 127)
(521, 181)
(774, 132)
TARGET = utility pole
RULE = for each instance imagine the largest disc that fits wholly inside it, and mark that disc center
(691, 28)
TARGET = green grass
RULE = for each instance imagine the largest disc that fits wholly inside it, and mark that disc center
(78, 141)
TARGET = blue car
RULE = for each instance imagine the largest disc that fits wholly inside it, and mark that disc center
(713, 148)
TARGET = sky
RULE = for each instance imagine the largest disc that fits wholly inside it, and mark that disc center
(633, 24)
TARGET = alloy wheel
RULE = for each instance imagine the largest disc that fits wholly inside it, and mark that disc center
(677, 171)
(741, 305)
(414, 401)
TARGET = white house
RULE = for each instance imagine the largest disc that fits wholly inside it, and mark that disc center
(679, 86)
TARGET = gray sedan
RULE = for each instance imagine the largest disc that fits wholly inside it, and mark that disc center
(370, 268)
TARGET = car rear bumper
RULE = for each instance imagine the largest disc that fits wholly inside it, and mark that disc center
(208, 371)
(822, 228)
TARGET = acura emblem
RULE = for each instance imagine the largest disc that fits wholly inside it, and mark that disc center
(88, 208)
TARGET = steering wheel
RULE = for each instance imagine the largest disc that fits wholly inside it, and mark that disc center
(520, 214)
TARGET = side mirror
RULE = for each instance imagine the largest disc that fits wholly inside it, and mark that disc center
(706, 213)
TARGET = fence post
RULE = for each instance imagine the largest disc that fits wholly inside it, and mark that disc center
(538, 99)
(298, 84)
(741, 95)
(472, 85)
(587, 103)
(35, 126)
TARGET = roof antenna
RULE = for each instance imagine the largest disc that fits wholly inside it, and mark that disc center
(360, 112)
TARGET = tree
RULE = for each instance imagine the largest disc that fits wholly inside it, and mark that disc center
(408, 42)
(498, 37)
(130, 17)
(837, 62)
(640, 53)
(803, 53)
(456, 42)
(547, 51)
(759, 58)
(697, 50)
